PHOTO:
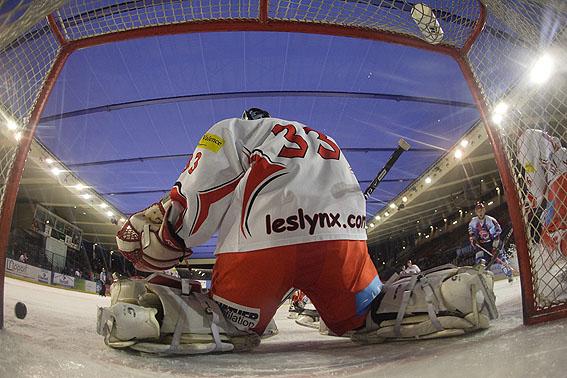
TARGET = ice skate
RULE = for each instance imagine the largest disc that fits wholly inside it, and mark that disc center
(309, 317)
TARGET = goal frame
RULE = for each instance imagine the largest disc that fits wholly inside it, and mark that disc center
(531, 314)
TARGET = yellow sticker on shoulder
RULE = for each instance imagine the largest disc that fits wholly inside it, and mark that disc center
(211, 142)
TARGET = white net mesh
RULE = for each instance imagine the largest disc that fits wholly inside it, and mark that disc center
(456, 18)
(90, 18)
(516, 32)
(24, 65)
(506, 61)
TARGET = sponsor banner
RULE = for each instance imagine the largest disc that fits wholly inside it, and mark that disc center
(79, 284)
(85, 285)
(44, 276)
(63, 280)
(90, 286)
(21, 269)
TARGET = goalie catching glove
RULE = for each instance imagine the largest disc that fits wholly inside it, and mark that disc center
(148, 241)
(444, 301)
(165, 320)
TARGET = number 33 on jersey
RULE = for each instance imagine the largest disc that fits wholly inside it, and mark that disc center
(266, 183)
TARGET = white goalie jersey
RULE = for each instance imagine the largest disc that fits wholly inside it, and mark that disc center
(266, 183)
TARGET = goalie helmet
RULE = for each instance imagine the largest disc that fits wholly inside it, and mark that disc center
(255, 113)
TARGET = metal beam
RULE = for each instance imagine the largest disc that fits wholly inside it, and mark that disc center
(99, 235)
(188, 154)
(232, 95)
(61, 204)
(95, 223)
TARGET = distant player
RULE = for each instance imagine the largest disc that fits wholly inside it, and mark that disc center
(298, 301)
(484, 234)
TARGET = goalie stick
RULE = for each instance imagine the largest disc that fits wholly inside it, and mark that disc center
(402, 147)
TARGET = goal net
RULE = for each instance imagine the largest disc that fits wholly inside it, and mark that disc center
(502, 46)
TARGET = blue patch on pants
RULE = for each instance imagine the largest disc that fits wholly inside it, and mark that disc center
(365, 297)
(549, 212)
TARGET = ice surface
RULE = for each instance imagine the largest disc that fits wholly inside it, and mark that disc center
(58, 338)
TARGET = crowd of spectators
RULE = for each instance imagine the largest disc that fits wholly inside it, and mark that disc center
(28, 247)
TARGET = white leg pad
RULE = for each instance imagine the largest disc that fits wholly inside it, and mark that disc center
(445, 301)
(158, 319)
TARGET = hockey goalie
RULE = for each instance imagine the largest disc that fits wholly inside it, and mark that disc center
(289, 212)
(544, 161)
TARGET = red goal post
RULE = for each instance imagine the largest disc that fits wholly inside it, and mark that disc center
(495, 43)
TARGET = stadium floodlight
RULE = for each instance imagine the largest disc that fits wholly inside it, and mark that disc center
(404, 199)
(56, 171)
(18, 136)
(499, 112)
(103, 205)
(458, 153)
(464, 143)
(109, 213)
(11, 124)
(501, 108)
(122, 220)
(428, 180)
(371, 224)
(497, 119)
(386, 214)
(79, 186)
(392, 206)
(542, 69)
(86, 195)
(49, 161)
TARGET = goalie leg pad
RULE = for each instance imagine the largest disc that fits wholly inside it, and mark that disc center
(125, 322)
(127, 291)
(165, 322)
(445, 301)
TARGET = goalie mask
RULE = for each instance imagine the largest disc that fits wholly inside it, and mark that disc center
(255, 113)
